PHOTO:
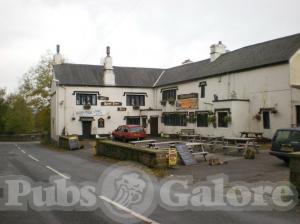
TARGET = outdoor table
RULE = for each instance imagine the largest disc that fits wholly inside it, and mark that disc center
(156, 144)
(251, 133)
(201, 144)
(142, 142)
(241, 142)
(192, 137)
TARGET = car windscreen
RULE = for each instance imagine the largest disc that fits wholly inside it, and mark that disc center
(282, 136)
(136, 129)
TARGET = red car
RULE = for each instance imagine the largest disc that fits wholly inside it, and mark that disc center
(129, 132)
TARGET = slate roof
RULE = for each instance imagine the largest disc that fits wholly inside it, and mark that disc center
(92, 75)
(254, 56)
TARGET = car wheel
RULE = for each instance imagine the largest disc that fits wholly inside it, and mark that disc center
(124, 139)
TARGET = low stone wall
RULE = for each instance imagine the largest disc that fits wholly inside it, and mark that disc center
(295, 170)
(21, 137)
(153, 158)
(69, 142)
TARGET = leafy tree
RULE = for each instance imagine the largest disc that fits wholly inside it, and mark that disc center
(3, 109)
(19, 117)
(36, 83)
(36, 89)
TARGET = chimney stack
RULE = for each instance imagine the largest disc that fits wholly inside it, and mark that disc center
(57, 59)
(109, 76)
(216, 50)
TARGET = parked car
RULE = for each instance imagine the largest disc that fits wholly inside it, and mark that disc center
(285, 141)
(129, 132)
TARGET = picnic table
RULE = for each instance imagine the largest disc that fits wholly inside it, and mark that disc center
(240, 143)
(195, 146)
(246, 134)
(142, 142)
(157, 144)
(191, 137)
(212, 139)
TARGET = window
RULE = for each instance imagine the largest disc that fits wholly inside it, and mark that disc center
(135, 100)
(266, 119)
(100, 123)
(282, 136)
(222, 119)
(172, 119)
(85, 99)
(202, 119)
(295, 136)
(202, 89)
(133, 120)
(169, 94)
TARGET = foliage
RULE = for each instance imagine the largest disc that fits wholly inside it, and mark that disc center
(19, 117)
(36, 83)
(227, 119)
(3, 109)
(257, 117)
(36, 89)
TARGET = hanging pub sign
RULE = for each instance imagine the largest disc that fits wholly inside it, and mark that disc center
(117, 103)
(187, 101)
(107, 103)
(121, 108)
(103, 98)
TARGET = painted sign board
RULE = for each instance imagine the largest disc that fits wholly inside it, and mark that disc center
(187, 101)
(89, 113)
(121, 108)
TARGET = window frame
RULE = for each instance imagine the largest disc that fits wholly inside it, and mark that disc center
(130, 97)
(168, 94)
(266, 120)
(133, 118)
(202, 86)
(203, 124)
(220, 122)
(81, 97)
(175, 119)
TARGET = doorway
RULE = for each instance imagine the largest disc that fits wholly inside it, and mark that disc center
(154, 126)
(86, 129)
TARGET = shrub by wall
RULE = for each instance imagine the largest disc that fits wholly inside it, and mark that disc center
(153, 158)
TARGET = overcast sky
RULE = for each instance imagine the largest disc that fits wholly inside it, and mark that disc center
(141, 33)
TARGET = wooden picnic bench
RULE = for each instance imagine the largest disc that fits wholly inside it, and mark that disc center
(248, 134)
(188, 134)
(240, 143)
(193, 145)
(142, 142)
(157, 144)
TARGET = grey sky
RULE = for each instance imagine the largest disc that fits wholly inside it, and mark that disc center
(142, 33)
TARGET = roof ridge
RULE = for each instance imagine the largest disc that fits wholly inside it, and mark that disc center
(264, 42)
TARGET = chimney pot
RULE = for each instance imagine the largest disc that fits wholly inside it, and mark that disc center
(108, 51)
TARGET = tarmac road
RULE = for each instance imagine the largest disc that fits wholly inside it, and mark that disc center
(39, 163)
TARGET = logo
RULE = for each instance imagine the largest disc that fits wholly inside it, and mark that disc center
(125, 191)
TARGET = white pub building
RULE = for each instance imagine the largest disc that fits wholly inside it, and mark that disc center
(254, 88)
